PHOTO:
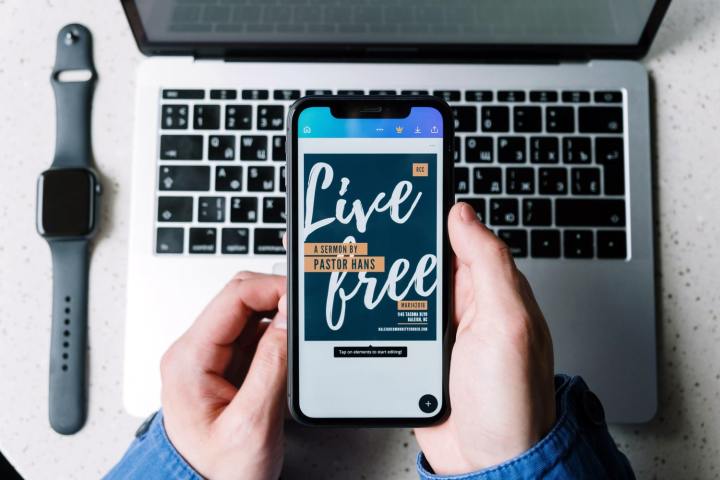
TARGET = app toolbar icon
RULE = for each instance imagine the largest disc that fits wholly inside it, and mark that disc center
(417, 130)
(434, 129)
(399, 129)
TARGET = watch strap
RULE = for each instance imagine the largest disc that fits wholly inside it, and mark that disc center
(68, 339)
(73, 97)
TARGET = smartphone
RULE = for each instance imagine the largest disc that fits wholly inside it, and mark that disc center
(369, 188)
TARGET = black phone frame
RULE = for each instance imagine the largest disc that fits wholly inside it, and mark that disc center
(368, 104)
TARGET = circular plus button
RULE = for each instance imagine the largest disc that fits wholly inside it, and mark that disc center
(428, 403)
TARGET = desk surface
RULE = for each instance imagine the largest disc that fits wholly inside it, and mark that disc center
(682, 442)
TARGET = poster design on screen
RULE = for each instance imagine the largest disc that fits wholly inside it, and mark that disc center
(370, 247)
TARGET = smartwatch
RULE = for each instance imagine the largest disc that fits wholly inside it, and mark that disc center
(67, 214)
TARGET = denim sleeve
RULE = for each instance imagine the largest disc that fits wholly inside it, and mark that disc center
(578, 446)
(151, 456)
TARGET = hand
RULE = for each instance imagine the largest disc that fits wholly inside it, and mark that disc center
(224, 382)
(501, 370)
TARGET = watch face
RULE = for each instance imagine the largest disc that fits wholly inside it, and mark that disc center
(66, 203)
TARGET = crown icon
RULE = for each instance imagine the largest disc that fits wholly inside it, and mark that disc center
(399, 129)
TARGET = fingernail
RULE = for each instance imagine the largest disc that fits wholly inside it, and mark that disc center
(280, 322)
(467, 214)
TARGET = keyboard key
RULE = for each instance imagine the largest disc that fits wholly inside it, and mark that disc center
(235, 240)
(174, 117)
(383, 92)
(511, 96)
(600, 119)
(195, 178)
(202, 240)
(206, 117)
(495, 119)
(175, 209)
(552, 181)
(560, 119)
(457, 150)
(243, 209)
(527, 119)
(543, 96)
(504, 211)
(351, 93)
(255, 94)
(537, 212)
(585, 181)
(169, 240)
(238, 117)
(278, 148)
(221, 147)
(269, 241)
(270, 117)
(478, 96)
(516, 240)
(478, 204)
(448, 95)
(184, 94)
(479, 149)
(223, 94)
(181, 147)
(315, 92)
(253, 147)
(609, 154)
(412, 92)
(578, 243)
(465, 119)
(462, 180)
(608, 96)
(611, 244)
(274, 210)
(545, 243)
(589, 213)
(487, 180)
(228, 179)
(576, 96)
(261, 179)
(544, 150)
(211, 209)
(576, 150)
(286, 94)
(520, 181)
(283, 180)
(511, 149)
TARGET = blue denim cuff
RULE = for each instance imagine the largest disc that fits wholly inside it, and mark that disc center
(543, 459)
(152, 456)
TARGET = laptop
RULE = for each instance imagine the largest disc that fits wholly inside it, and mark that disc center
(553, 149)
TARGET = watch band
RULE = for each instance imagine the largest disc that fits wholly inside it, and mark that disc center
(68, 336)
(68, 348)
(73, 99)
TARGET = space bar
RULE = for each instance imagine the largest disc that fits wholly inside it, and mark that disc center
(589, 213)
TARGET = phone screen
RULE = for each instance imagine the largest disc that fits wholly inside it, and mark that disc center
(369, 262)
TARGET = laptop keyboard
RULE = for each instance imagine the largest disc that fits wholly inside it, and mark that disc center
(544, 169)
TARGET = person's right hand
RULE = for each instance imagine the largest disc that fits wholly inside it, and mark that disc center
(501, 371)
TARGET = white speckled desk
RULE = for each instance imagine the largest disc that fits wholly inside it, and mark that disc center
(682, 442)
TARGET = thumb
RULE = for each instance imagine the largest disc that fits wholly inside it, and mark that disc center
(492, 269)
(264, 387)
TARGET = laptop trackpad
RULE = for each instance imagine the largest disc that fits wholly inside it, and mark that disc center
(280, 268)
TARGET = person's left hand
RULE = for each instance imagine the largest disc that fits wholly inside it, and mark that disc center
(224, 382)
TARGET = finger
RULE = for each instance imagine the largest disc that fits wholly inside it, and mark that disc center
(491, 267)
(265, 384)
(209, 341)
(285, 240)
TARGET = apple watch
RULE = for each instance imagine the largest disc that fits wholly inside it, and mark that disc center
(67, 213)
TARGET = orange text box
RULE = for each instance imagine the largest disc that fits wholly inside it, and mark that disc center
(412, 305)
(344, 264)
(419, 169)
(330, 248)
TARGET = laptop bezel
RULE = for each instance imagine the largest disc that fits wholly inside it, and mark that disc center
(471, 53)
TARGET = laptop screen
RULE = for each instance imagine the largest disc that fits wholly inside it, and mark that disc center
(394, 22)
